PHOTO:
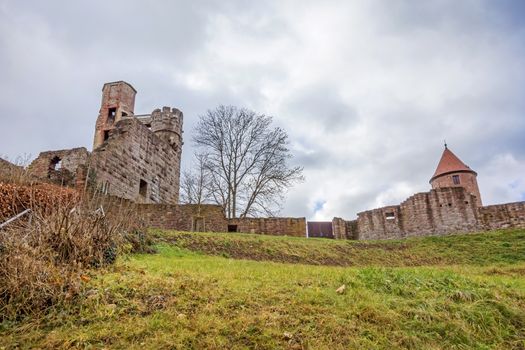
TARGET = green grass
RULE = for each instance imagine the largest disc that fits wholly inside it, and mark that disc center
(456, 292)
(497, 247)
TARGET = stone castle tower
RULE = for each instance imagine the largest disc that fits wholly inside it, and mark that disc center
(118, 101)
(136, 157)
(452, 172)
(166, 123)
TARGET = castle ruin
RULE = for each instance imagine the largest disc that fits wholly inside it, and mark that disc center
(452, 205)
(138, 158)
(135, 157)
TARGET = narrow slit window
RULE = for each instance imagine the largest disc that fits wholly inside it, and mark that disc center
(143, 188)
(106, 135)
(112, 113)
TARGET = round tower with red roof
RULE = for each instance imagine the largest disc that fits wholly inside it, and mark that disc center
(452, 172)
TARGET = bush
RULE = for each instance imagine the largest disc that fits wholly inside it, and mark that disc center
(45, 258)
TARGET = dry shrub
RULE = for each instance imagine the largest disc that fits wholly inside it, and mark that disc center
(15, 173)
(42, 198)
(45, 258)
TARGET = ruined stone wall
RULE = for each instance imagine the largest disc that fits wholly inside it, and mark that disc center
(271, 226)
(381, 223)
(344, 229)
(352, 230)
(454, 210)
(59, 167)
(136, 164)
(205, 217)
(510, 215)
(440, 211)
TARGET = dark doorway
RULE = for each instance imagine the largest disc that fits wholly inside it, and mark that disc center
(143, 188)
(232, 228)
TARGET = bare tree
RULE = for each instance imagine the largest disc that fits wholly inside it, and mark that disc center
(195, 185)
(246, 161)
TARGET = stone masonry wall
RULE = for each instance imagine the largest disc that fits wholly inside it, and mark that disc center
(59, 167)
(466, 180)
(271, 226)
(187, 217)
(136, 164)
(440, 211)
(344, 229)
(510, 215)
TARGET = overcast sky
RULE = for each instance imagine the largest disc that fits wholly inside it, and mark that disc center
(367, 90)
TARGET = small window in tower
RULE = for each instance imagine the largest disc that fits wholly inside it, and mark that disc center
(143, 188)
(455, 179)
(390, 216)
(112, 112)
(124, 114)
(106, 135)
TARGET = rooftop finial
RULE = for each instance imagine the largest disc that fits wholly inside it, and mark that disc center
(445, 143)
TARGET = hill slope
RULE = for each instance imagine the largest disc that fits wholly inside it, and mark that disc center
(474, 249)
(180, 298)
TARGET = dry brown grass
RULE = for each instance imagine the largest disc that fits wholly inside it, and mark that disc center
(45, 257)
(40, 197)
(15, 172)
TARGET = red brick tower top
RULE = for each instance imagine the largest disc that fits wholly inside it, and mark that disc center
(118, 101)
(452, 172)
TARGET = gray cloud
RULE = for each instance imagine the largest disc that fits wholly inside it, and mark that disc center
(367, 90)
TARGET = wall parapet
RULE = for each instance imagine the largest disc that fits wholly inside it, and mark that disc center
(501, 216)
(439, 211)
(269, 226)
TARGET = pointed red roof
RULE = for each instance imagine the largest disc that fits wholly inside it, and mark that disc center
(450, 163)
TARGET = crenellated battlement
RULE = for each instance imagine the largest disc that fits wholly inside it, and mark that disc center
(166, 123)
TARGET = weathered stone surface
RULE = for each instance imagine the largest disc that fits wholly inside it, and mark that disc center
(270, 226)
(344, 229)
(510, 215)
(136, 164)
(440, 211)
(59, 167)
(188, 217)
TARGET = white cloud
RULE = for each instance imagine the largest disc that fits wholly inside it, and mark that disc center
(367, 90)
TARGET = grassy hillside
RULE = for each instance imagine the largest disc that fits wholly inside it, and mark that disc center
(455, 292)
(473, 249)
